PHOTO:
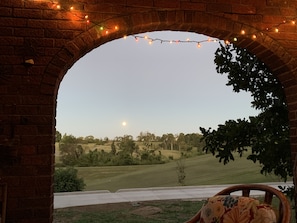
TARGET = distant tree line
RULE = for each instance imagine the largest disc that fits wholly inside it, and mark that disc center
(146, 149)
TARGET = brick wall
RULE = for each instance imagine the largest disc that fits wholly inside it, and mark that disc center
(56, 38)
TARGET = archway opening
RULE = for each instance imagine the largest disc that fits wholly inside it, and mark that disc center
(157, 88)
(146, 85)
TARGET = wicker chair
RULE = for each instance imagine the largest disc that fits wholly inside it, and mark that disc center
(284, 210)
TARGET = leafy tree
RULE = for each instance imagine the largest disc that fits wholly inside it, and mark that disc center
(113, 148)
(127, 145)
(265, 136)
(67, 180)
(89, 139)
(70, 153)
(168, 141)
(58, 136)
(70, 139)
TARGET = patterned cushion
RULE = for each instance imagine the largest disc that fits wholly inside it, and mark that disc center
(236, 209)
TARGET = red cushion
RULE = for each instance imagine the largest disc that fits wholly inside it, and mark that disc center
(236, 209)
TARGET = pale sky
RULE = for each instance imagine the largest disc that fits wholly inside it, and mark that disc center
(160, 88)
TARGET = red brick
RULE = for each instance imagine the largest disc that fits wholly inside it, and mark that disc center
(243, 9)
(29, 32)
(60, 37)
(44, 24)
(145, 3)
(9, 50)
(26, 130)
(5, 31)
(167, 4)
(4, 11)
(227, 8)
(59, 34)
(193, 6)
(71, 25)
(27, 13)
(11, 3)
(39, 4)
(57, 15)
(11, 41)
(12, 22)
(11, 59)
(27, 150)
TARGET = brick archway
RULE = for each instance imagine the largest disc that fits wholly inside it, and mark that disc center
(265, 47)
(56, 38)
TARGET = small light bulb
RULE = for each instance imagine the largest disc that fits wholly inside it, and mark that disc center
(101, 28)
(235, 39)
(242, 32)
(198, 45)
(58, 6)
(293, 22)
(276, 30)
(106, 32)
(71, 8)
(254, 36)
(86, 16)
(125, 37)
(116, 28)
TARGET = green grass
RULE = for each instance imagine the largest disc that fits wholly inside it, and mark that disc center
(201, 170)
(169, 212)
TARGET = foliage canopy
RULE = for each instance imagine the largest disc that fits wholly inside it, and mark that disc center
(265, 136)
(67, 180)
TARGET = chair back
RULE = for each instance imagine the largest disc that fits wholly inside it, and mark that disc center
(284, 209)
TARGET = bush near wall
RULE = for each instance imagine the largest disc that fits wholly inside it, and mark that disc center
(66, 180)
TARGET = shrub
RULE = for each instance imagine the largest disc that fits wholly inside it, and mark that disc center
(66, 180)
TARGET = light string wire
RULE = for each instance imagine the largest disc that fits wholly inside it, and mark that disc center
(197, 42)
(102, 27)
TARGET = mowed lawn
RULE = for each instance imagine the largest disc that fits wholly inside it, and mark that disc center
(201, 170)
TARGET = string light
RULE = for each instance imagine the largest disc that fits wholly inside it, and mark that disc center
(105, 30)
(84, 18)
(227, 42)
(151, 40)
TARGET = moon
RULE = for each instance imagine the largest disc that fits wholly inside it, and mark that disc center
(124, 123)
